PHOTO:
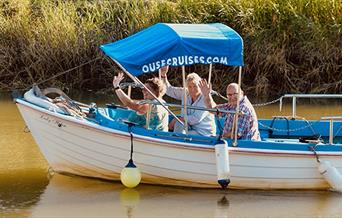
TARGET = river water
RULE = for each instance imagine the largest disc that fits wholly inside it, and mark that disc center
(28, 190)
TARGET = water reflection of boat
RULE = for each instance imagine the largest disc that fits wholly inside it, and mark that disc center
(78, 197)
(100, 147)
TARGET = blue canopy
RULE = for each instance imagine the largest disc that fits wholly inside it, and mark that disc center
(177, 45)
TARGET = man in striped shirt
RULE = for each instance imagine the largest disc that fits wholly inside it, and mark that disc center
(247, 127)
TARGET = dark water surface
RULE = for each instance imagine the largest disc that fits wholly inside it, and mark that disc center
(28, 190)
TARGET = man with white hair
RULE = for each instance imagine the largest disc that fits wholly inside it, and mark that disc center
(247, 123)
(199, 121)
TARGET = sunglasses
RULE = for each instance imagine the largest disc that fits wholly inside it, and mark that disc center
(228, 95)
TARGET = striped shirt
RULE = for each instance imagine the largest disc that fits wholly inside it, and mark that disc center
(247, 124)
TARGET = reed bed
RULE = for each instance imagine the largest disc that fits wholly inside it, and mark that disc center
(291, 46)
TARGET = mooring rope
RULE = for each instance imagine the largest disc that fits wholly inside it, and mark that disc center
(60, 74)
(213, 92)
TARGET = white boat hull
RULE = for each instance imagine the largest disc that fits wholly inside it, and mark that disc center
(77, 146)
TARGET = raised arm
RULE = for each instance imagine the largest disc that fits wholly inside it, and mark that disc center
(174, 92)
(163, 75)
(206, 89)
(125, 99)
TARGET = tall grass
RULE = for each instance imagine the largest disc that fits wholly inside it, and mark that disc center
(290, 45)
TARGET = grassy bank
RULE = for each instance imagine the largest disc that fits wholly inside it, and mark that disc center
(290, 45)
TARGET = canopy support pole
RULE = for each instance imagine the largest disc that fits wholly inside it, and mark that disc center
(237, 110)
(135, 79)
(129, 91)
(148, 116)
(210, 70)
(185, 111)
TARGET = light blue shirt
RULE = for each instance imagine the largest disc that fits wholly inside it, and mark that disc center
(200, 121)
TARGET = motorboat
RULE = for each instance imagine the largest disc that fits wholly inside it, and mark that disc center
(293, 153)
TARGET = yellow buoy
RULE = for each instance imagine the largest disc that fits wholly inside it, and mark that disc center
(130, 175)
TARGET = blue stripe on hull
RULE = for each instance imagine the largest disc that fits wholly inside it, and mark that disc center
(285, 145)
(288, 143)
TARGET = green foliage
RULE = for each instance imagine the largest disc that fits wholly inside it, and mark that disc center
(290, 45)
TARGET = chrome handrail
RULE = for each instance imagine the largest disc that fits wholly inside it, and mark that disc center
(331, 126)
(295, 96)
(213, 110)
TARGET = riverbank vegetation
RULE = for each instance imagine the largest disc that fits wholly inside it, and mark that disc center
(291, 46)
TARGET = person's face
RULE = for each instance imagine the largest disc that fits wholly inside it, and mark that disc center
(146, 94)
(193, 89)
(232, 95)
